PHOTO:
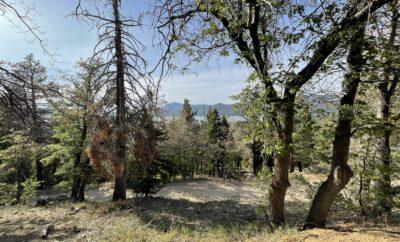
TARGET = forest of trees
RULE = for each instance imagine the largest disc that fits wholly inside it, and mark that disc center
(104, 122)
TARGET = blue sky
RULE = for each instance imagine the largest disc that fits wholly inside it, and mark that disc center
(71, 40)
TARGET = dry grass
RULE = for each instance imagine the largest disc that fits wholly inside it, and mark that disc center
(170, 219)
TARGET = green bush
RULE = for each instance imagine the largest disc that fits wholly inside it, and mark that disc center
(7, 193)
(29, 190)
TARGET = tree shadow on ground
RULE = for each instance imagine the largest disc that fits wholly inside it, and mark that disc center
(16, 238)
(296, 212)
(354, 222)
(23, 228)
(165, 214)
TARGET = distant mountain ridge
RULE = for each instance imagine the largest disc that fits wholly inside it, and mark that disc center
(325, 102)
(174, 109)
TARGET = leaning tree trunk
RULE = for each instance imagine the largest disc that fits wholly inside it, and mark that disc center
(384, 197)
(280, 180)
(340, 171)
(120, 162)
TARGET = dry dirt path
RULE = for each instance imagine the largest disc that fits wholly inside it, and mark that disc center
(194, 210)
(198, 190)
(212, 189)
(206, 189)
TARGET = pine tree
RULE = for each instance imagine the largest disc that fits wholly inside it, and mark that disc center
(29, 83)
(187, 113)
(213, 126)
(16, 166)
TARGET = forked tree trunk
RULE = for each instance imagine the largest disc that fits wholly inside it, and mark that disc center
(120, 162)
(340, 171)
(382, 184)
(280, 180)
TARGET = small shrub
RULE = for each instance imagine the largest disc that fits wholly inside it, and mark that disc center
(146, 186)
(7, 193)
(263, 182)
(30, 190)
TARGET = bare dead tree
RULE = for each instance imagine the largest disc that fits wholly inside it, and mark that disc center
(125, 69)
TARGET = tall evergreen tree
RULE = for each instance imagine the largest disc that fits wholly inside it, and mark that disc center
(213, 126)
(187, 113)
(28, 80)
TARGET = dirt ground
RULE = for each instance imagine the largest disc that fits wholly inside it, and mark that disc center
(201, 189)
(212, 189)
(206, 209)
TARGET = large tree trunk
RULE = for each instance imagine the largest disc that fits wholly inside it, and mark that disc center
(384, 199)
(120, 162)
(280, 180)
(77, 178)
(340, 171)
(81, 191)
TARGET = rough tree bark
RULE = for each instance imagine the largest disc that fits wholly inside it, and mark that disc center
(382, 185)
(85, 167)
(77, 177)
(280, 181)
(340, 171)
(120, 172)
(247, 42)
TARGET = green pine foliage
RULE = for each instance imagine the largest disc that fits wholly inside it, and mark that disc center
(17, 160)
(62, 151)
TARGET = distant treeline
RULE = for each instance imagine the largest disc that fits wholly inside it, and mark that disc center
(174, 109)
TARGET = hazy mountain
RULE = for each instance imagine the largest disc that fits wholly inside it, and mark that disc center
(173, 109)
(327, 103)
